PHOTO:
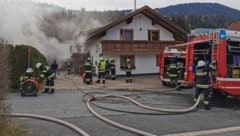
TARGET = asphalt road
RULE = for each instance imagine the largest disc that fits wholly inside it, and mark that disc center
(68, 105)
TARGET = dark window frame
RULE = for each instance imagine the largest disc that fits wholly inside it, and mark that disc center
(123, 34)
(151, 34)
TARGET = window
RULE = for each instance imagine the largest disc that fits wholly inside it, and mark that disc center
(158, 60)
(153, 35)
(126, 34)
(123, 60)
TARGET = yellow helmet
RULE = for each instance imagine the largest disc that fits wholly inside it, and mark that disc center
(128, 60)
(201, 63)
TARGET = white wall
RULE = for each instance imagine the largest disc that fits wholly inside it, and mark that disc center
(95, 49)
(145, 63)
(139, 22)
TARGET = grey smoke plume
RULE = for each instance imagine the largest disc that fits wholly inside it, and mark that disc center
(48, 28)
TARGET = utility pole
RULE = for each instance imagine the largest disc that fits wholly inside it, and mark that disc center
(135, 5)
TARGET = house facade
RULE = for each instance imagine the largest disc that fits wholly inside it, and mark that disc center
(139, 36)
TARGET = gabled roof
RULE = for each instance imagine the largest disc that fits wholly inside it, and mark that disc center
(234, 26)
(150, 13)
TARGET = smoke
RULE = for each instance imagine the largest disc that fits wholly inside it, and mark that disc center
(48, 28)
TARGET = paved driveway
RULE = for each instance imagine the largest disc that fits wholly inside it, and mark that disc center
(67, 104)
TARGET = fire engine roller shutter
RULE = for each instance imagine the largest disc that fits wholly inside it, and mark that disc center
(30, 87)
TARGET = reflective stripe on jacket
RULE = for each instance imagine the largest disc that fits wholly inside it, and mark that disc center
(202, 77)
(172, 70)
(88, 67)
(47, 72)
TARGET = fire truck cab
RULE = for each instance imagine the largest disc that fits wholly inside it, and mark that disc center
(221, 48)
(172, 55)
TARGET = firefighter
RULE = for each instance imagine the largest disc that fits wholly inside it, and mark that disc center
(107, 73)
(180, 70)
(48, 73)
(128, 71)
(101, 70)
(203, 83)
(54, 67)
(172, 72)
(180, 73)
(88, 67)
(69, 67)
(112, 69)
(27, 75)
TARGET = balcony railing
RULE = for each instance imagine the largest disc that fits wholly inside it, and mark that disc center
(135, 46)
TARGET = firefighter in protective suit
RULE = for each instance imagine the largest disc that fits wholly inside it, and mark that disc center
(172, 72)
(203, 83)
(101, 71)
(88, 67)
(128, 71)
(48, 73)
(112, 69)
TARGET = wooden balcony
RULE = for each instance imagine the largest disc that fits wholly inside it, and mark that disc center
(109, 46)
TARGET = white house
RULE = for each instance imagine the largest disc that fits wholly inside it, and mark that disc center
(140, 36)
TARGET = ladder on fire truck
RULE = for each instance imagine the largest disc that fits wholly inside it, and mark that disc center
(214, 43)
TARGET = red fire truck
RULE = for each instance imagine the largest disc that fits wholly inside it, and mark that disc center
(222, 49)
(177, 56)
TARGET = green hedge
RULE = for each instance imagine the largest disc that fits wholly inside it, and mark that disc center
(19, 62)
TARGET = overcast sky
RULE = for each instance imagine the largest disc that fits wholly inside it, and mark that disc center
(129, 4)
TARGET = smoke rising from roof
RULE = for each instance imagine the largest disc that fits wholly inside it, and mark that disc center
(48, 28)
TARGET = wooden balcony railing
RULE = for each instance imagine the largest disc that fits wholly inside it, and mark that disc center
(135, 46)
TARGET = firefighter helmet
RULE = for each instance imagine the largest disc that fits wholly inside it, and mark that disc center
(101, 59)
(88, 58)
(201, 63)
(38, 65)
(128, 60)
(29, 70)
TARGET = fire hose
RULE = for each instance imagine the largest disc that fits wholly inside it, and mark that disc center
(192, 108)
(133, 130)
(61, 122)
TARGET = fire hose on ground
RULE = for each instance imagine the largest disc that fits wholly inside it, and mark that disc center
(58, 121)
(192, 108)
(133, 130)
